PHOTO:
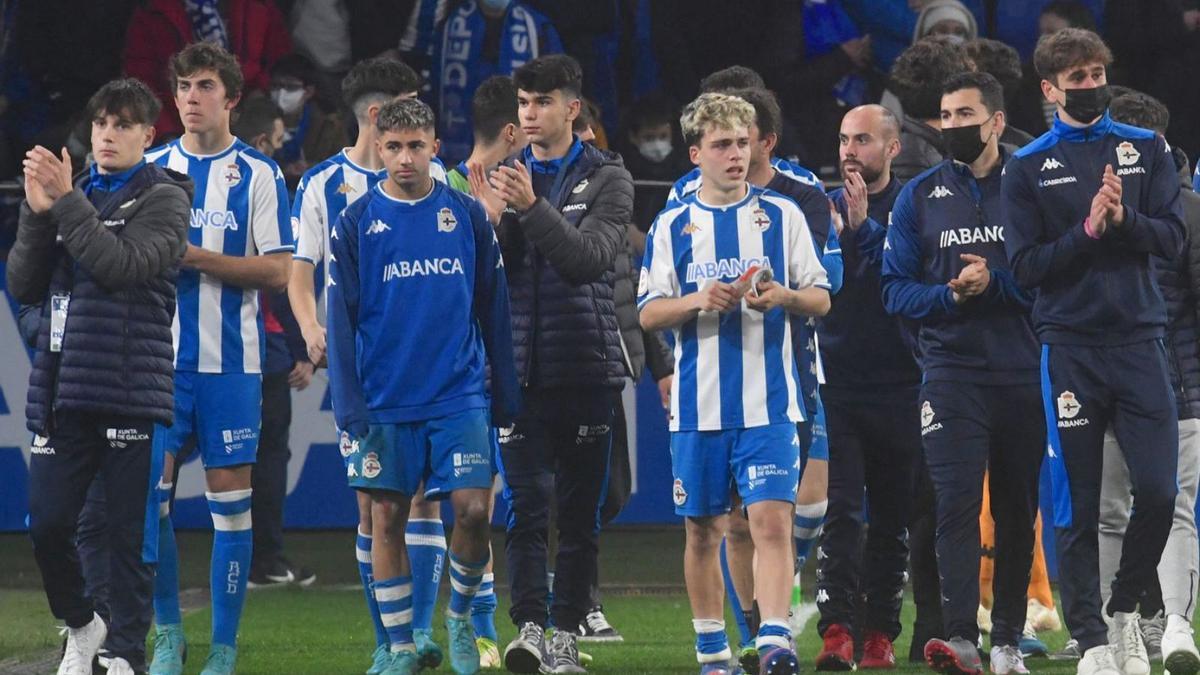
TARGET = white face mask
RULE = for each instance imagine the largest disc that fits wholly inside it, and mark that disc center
(656, 150)
(288, 100)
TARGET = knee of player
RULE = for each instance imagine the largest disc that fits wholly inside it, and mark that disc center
(704, 533)
(388, 514)
(471, 514)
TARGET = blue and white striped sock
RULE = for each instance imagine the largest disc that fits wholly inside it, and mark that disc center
(711, 644)
(233, 543)
(465, 579)
(362, 550)
(483, 609)
(166, 573)
(807, 527)
(396, 609)
(426, 542)
(773, 633)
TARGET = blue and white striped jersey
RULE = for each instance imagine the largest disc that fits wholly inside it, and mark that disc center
(691, 180)
(240, 209)
(733, 370)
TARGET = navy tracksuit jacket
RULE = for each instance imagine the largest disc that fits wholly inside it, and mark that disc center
(1100, 317)
(980, 402)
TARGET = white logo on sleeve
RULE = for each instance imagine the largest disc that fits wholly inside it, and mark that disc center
(939, 192)
(1051, 163)
(1127, 155)
(580, 187)
(377, 227)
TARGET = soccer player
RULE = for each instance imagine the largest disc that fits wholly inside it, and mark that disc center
(944, 267)
(412, 405)
(1087, 204)
(239, 242)
(324, 192)
(870, 400)
(735, 401)
(99, 260)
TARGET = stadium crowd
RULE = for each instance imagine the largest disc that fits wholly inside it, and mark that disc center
(1005, 277)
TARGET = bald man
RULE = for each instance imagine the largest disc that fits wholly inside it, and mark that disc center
(870, 398)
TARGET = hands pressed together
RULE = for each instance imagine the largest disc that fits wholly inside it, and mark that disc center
(972, 280)
(1107, 208)
(47, 177)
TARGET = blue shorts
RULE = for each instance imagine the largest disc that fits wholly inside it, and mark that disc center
(447, 454)
(763, 462)
(222, 412)
(814, 439)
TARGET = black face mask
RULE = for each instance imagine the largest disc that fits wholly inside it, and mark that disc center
(1085, 105)
(964, 143)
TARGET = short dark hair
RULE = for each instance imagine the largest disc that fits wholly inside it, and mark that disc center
(409, 113)
(1068, 48)
(768, 116)
(588, 114)
(255, 115)
(733, 77)
(207, 56)
(990, 91)
(1076, 14)
(295, 65)
(922, 70)
(493, 107)
(128, 98)
(1140, 110)
(652, 110)
(998, 59)
(550, 73)
(380, 77)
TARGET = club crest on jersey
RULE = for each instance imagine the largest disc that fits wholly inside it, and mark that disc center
(926, 414)
(345, 189)
(231, 175)
(347, 445)
(580, 188)
(1068, 405)
(371, 466)
(446, 222)
(761, 222)
(678, 494)
(1127, 155)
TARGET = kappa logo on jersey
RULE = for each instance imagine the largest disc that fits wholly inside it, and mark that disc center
(690, 229)
(583, 185)
(377, 227)
(371, 466)
(351, 472)
(345, 189)
(939, 192)
(231, 175)
(222, 220)
(1068, 409)
(1127, 155)
(1051, 163)
(420, 268)
(968, 235)
(446, 222)
(678, 494)
(761, 222)
(725, 268)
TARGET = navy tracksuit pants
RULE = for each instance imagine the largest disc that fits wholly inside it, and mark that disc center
(966, 429)
(62, 468)
(874, 448)
(1085, 390)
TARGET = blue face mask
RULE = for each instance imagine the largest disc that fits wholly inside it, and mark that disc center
(495, 6)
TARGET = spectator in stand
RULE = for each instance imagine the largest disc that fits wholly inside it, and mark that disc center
(892, 24)
(945, 17)
(917, 80)
(651, 149)
(1003, 63)
(1020, 22)
(259, 123)
(478, 40)
(253, 30)
(320, 30)
(1029, 110)
(311, 134)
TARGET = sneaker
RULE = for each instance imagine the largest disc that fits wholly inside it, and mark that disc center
(778, 661)
(1152, 635)
(527, 651)
(1179, 647)
(748, 659)
(170, 650)
(837, 653)
(955, 656)
(428, 652)
(1008, 659)
(595, 628)
(983, 617)
(1030, 644)
(878, 653)
(119, 666)
(1044, 619)
(489, 654)
(379, 660)
(563, 654)
(1097, 661)
(271, 574)
(221, 660)
(720, 668)
(1125, 637)
(464, 654)
(301, 576)
(1069, 652)
(402, 663)
(83, 644)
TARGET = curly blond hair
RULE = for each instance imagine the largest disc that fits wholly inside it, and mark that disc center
(721, 111)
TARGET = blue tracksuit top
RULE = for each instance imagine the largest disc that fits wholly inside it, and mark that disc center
(862, 348)
(1098, 292)
(940, 215)
(417, 310)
